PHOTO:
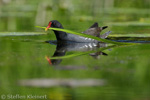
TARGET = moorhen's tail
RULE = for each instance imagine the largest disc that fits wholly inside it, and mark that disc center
(94, 25)
(105, 35)
(104, 27)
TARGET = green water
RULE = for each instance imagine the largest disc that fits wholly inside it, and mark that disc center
(125, 70)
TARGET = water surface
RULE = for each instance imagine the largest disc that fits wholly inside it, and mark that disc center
(124, 69)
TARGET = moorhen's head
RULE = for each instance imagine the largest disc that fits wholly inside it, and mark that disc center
(54, 24)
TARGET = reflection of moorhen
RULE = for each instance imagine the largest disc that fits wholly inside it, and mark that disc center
(63, 47)
(63, 36)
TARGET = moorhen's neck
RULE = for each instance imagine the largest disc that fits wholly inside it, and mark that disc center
(60, 35)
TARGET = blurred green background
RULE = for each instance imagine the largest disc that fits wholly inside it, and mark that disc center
(126, 69)
(23, 15)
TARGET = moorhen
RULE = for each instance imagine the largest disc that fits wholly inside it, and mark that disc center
(63, 36)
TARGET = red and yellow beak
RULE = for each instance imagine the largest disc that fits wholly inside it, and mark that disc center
(49, 25)
(48, 59)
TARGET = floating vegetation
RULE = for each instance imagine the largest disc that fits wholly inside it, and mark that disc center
(21, 33)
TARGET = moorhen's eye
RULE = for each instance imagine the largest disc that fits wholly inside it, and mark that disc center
(54, 23)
